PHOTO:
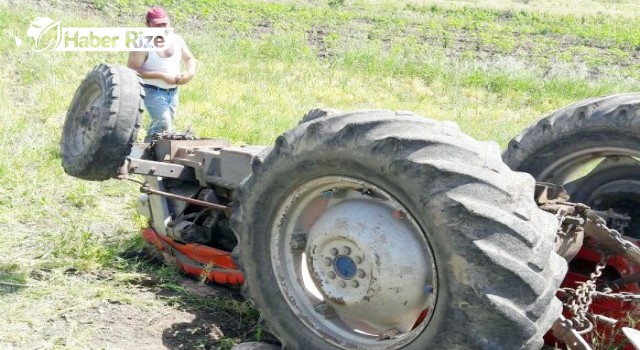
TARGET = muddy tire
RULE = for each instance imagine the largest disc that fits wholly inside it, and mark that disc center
(318, 113)
(591, 147)
(378, 230)
(102, 122)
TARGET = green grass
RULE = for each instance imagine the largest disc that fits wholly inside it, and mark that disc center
(493, 68)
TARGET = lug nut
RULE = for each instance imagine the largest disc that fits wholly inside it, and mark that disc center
(355, 284)
(346, 250)
(358, 260)
(328, 261)
(342, 284)
(333, 251)
(361, 273)
(331, 275)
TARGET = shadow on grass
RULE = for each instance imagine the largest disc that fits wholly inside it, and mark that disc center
(222, 318)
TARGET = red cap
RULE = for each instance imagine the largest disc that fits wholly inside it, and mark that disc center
(157, 15)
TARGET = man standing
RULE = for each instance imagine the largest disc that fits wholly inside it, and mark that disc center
(161, 74)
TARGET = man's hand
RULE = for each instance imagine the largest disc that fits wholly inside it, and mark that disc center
(189, 65)
(186, 77)
(170, 79)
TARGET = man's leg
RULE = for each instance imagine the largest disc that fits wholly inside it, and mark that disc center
(158, 104)
(173, 105)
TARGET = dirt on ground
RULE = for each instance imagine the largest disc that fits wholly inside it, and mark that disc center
(193, 319)
(151, 309)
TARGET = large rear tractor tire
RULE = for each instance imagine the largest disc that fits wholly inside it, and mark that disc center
(102, 122)
(592, 148)
(380, 230)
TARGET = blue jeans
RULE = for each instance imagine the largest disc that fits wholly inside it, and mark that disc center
(161, 106)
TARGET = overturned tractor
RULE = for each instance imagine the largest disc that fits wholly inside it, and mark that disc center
(386, 230)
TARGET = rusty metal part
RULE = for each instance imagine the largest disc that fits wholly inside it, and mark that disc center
(553, 198)
(546, 192)
(570, 237)
(166, 170)
(138, 151)
(148, 190)
(229, 166)
(611, 240)
(583, 297)
(577, 219)
(206, 161)
(167, 149)
(563, 330)
(624, 296)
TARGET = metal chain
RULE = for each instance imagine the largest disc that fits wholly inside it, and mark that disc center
(606, 294)
(626, 244)
(622, 296)
(582, 297)
(561, 215)
(573, 217)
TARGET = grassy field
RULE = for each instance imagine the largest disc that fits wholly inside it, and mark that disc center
(73, 274)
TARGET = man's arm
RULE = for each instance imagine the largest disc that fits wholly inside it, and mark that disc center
(137, 59)
(190, 64)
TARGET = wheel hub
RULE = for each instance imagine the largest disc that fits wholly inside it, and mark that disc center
(621, 197)
(354, 263)
(340, 271)
(613, 186)
(345, 267)
(86, 122)
(366, 261)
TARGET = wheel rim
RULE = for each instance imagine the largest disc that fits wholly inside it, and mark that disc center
(605, 178)
(353, 264)
(84, 123)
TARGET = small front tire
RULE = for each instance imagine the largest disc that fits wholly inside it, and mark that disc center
(102, 123)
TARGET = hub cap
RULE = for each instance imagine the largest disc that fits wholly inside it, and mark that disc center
(353, 264)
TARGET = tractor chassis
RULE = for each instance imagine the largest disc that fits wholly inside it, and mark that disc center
(217, 165)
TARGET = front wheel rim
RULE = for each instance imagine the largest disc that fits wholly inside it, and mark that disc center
(353, 264)
(85, 123)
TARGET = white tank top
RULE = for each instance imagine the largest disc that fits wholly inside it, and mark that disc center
(170, 65)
